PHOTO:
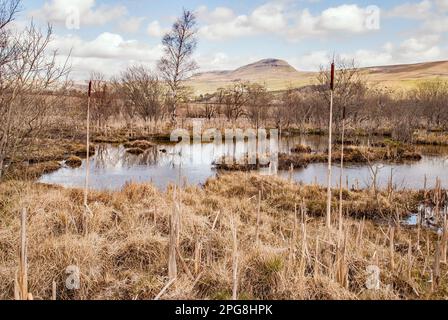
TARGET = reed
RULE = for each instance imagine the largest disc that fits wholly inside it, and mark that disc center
(257, 231)
(173, 240)
(21, 281)
(235, 258)
(54, 291)
(444, 241)
(392, 247)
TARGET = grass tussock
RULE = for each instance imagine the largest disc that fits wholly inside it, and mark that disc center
(140, 144)
(125, 253)
(73, 162)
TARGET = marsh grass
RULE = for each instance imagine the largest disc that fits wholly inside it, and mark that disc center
(126, 251)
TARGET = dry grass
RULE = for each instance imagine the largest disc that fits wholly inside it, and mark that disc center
(125, 255)
(34, 171)
(352, 154)
(436, 139)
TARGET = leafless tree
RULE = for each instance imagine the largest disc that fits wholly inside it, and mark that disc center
(432, 97)
(29, 80)
(258, 102)
(234, 100)
(102, 107)
(177, 63)
(350, 89)
(210, 108)
(143, 93)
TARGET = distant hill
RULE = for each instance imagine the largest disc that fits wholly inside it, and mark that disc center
(276, 74)
(279, 75)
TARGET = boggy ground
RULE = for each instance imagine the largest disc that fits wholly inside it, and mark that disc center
(125, 252)
(391, 151)
(47, 156)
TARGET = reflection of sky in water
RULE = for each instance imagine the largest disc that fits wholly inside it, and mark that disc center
(112, 167)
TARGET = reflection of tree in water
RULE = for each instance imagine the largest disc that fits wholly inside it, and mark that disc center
(148, 158)
(107, 156)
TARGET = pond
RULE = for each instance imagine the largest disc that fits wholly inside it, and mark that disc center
(112, 167)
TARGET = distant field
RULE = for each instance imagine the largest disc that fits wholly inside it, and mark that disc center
(279, 75)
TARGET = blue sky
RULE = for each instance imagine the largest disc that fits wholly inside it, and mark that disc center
(109, 35)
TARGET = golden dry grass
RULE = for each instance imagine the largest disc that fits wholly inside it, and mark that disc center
(125, 254)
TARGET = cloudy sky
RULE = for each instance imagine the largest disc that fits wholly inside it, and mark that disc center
(108, 35)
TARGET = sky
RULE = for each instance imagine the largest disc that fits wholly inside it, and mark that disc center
(109, 35)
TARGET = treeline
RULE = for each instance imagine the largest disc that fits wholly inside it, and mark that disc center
(138, 93)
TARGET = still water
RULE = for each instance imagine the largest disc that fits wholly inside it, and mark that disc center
(112, 167)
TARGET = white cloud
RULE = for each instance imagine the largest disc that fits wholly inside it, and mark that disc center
(269, 17)
(437, 24)
(421, 48)
(220, 14)
(442, 4)
(419, 10)
(277, 18)
(109, 53)
(238, 27)
(156, 30)
(88, 13)
(131, 24)
(343, 18)
(311, 61)
(413, 50)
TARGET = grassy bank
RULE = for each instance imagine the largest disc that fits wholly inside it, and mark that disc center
(302, 156)
(125, 253)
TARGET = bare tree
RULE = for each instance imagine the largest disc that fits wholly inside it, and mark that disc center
(258, 102)
(432, 97)
(350, 89)
(143, 92)
(210, 109)
(233, 100)
(177, 63)
(102, 107)
(8, 11)
(28, 80)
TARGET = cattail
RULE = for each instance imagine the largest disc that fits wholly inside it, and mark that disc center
(87, 212)
(330, 137)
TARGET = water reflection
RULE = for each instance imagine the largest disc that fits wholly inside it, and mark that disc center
(112, 166)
